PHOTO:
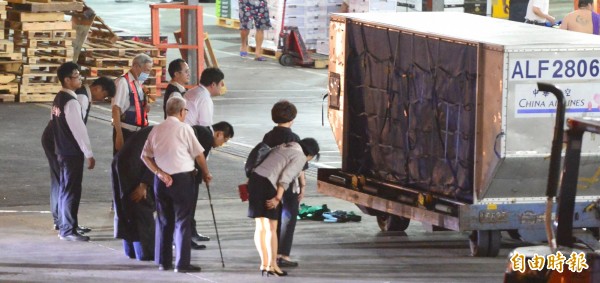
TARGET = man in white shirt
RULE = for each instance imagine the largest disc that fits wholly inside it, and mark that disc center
(199, 101)
(537, 13)
(130, 104)
(200, 106)
(170, 152)
(100, 89)
(72, 145)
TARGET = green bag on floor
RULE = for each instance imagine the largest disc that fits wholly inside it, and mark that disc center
(312, 212)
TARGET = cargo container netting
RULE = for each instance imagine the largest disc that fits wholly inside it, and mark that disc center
(411, 101)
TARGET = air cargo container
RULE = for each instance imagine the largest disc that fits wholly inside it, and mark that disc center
(439, 120)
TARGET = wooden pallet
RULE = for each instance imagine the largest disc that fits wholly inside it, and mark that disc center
(11, 56)
(39, 77)
(41, 26)
(228, 23)
(104, 71)
(9, 88)
(33, 88)
(48, 7)
(54, 51)
(3, 15)
(46, 34)
(8, 98)
(24, 17)
(6, 46)
(40, 68)
(321, 61)
(266, 52)
(36, 97)
(12, 67)
(6, 78)
(115, 71)
(103, 60)
(39, 1)
(121, 48)
(46, 59)
(44, 43)
(101, 32)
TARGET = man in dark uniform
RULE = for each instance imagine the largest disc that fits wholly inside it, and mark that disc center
(72, 145)
(134, 206)
(180, 76)
(134, 222)
(170, 152)
(219, 134)
(130, 104)
(98, 91)
(516, 10)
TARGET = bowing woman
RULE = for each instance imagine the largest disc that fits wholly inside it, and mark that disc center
(266, 186)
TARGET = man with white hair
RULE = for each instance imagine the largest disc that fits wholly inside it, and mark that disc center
(169, 153)
(130, 104)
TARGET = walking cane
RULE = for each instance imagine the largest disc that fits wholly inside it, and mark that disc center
(215, 221)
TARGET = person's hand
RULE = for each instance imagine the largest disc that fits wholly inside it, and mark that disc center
(506, 9)
(166, 178)
(91, 163)
(118, 143)
(272, 203)
(147, 108)
(139, 193)
(207, 178)
(552, 20)
(300, 195)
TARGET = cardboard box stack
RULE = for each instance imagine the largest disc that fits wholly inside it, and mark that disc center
(311, 17)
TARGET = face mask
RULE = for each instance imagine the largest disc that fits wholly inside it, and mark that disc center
(143, 77)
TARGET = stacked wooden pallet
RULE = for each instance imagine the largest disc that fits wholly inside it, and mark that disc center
(114, 59)
(9, 85)
(41, 33)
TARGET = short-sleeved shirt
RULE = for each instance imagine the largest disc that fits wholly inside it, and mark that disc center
(200, 107)
(173, 145)
(121, 98)
(544, 6)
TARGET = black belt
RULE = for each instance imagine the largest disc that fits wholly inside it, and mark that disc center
(534, 22)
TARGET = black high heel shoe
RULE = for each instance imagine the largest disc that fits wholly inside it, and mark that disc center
(263, 269)
(271, 271)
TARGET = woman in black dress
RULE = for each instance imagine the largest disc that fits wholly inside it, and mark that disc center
(266, 186)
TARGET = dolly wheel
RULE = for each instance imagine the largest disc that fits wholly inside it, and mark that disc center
(392, 223)
(286, 60)
(485, 243)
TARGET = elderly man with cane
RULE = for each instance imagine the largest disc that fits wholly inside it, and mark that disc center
(169, 153)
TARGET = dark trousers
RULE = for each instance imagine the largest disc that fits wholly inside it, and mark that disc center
(126, 135)
(174, 213)
(287, 221)
(517, 12)
(71, 175)
(143, 219)
(193, 221)
(48, 146)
